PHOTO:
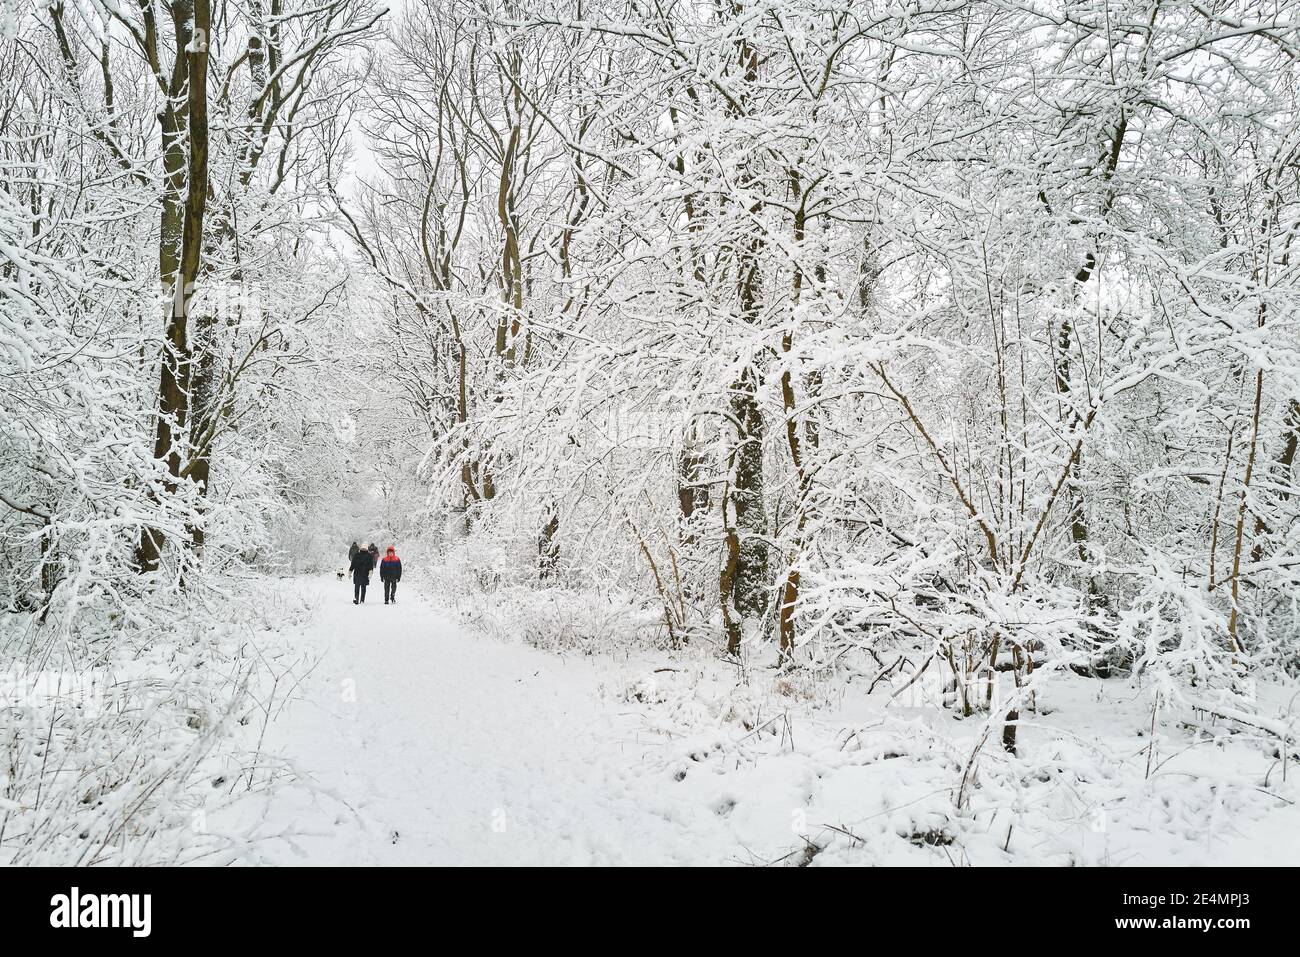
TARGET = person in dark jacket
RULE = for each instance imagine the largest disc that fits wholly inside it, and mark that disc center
(373, 549)
(390, 573)
(352, 552)
(361, 567)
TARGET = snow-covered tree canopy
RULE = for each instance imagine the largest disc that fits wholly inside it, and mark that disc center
(823, 321)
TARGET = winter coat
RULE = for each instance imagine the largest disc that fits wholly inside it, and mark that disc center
(390, 569)
(363, 563)
(352, 552)
(374, 554)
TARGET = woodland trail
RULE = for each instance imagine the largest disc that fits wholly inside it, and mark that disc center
(429, 746)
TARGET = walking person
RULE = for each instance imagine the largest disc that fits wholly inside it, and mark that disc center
(363, 563)
(373, 549)
(352, 552)
(390, 573)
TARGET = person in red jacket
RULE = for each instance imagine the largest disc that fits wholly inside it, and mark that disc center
(390, 573)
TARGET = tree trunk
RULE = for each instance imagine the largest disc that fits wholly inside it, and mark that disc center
(548, 549)
(692, 495)
(1283, 465)
(749, 587)
(750, 583)
(185, 164)
(727, 590)
(1073, 494)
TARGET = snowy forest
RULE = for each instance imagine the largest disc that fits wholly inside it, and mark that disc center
(815, 431)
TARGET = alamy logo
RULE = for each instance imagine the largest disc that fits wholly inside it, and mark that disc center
(102, 910)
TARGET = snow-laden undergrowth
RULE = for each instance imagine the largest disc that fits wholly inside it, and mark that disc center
(120, 735)
(803, 776)
(485, 591)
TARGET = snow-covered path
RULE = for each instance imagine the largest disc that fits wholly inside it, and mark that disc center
(429, 746)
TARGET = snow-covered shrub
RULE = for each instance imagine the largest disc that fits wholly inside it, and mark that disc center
(121, 735)
(481, 581)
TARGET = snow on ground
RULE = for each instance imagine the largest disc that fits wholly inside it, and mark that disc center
(433, 747)
(417, 742)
